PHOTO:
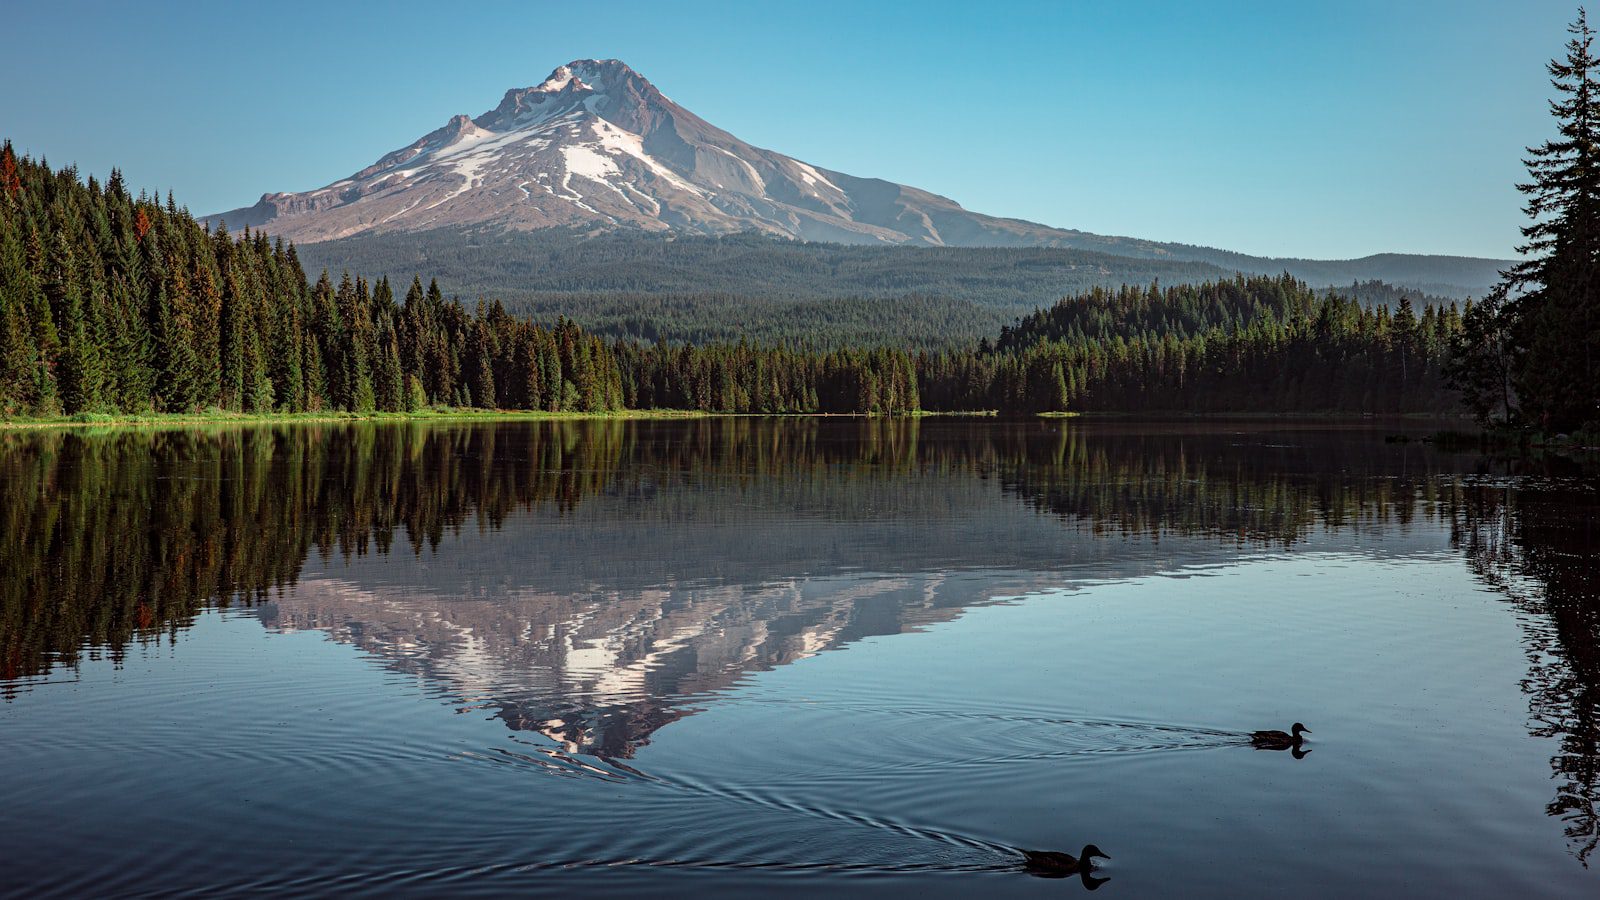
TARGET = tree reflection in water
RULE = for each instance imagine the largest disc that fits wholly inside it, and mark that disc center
(1536, 542)
(119, 539)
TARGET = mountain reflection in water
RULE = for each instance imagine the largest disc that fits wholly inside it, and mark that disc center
(622, 575)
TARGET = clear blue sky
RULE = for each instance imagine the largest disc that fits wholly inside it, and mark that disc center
(1323, 130)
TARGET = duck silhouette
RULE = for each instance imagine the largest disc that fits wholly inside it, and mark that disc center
(1279, 740)
(1055, 864)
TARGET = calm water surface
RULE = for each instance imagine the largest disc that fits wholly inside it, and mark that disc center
(793, 656)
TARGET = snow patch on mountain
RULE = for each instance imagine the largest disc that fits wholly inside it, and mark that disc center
(558, 79)
(654, 165)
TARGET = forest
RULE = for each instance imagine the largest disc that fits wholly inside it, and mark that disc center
(114, 303)
(774, 290)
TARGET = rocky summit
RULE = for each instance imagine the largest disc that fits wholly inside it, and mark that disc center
(596, 146)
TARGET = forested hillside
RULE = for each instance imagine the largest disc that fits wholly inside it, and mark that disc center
(687, 288)
(1382, 293)
(1247, 343)
(115, 303)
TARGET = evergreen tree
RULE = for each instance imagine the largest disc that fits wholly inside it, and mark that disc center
(1557, 319)
(389, 386)
(351, 323)
(80, 369)
(175, 382)
(1481, 359)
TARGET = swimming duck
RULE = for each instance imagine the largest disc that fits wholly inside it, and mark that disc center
(1056, 863)
(1278, 740)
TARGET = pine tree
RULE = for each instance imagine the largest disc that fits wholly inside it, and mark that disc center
(353, 324)
(18, 356)
(481, 356)
(285, 358)
(1062, 398)
(1481, 360)
(10, 176)
(389, 386)
(1405, 339)
(531, 392)
(552, 378)
(175, 382)
(235, 334)
(416, 398)
(80, 368)
(1557, 320)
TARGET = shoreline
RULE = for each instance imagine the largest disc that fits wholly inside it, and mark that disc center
(335, 417)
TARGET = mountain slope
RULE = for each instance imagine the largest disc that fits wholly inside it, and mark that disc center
(596, 147)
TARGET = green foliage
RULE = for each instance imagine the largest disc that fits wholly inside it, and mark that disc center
(1550, 378)
(775, 291)
(1482, 359)
(1257, 344)
(765, 289)
(415, 398)
(131, 306)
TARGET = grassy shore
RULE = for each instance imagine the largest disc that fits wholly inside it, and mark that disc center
(432, 414)
(224, 417)
(451, 414)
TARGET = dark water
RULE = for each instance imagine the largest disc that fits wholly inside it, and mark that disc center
(797, 657)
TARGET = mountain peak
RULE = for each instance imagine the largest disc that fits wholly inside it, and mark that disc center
(596, 146)
(584, 74)
(582, 82)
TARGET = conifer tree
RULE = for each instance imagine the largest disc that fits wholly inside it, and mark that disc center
(79, 370)
(480, 362)
(176, 389)
(552, 379)
(18, 355)
(1481, 359)
(389, 386)
(330, 340)
(355, 328)
(235, 334)
(1557, 319)
(10, 175)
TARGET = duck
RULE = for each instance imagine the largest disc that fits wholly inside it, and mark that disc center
(1054, 863)
(1278, 740)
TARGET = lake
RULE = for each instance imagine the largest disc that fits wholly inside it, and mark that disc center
(794, 656)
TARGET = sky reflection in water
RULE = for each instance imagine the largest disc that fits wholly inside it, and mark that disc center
(601, 658)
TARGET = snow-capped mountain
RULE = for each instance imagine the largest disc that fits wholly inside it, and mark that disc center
(596, 145)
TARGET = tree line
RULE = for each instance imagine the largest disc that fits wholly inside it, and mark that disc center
(1252, 343)
(114, 303)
